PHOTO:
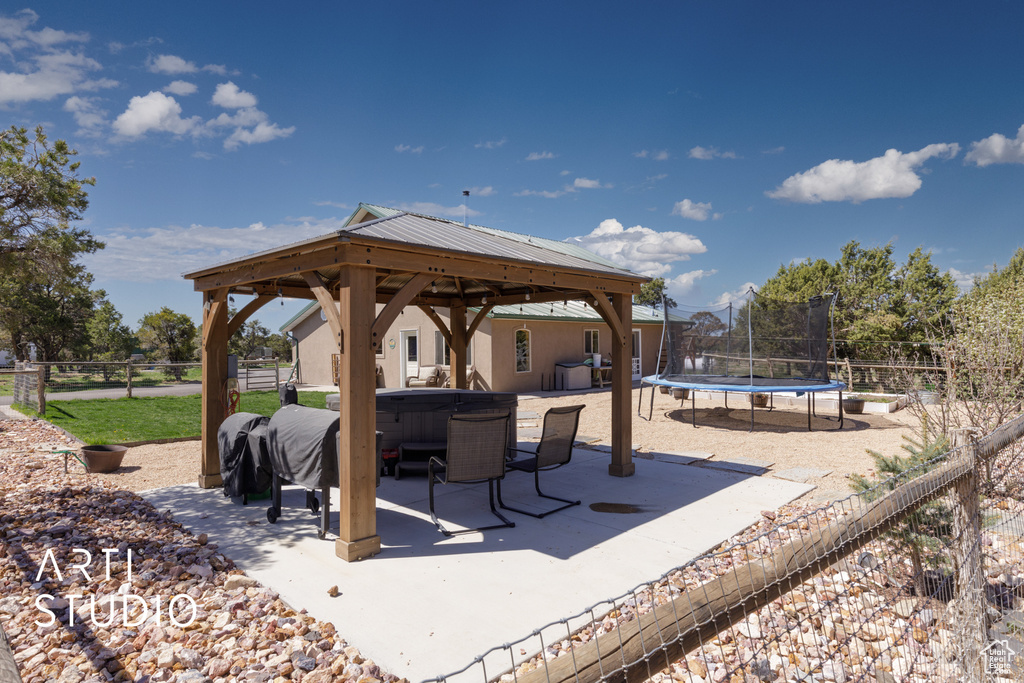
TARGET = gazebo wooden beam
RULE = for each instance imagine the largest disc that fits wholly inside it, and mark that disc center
(622, 390)
(214, 378)
(239, 318)
(438, 263)
(327, 305)
(481, 315)
(609, 315)
(397, 303)
(357, 461)
(438, 322)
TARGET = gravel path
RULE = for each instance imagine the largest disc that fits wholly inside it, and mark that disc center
(178, 611)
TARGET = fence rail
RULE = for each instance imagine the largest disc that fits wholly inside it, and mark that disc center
(35, 381)
(915, 580)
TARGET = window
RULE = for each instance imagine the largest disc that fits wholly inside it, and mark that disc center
(522, 350)
(591, 341)
(443, 352)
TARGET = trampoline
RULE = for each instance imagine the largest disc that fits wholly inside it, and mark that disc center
(758, 346)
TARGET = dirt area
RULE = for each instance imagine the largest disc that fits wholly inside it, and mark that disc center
(780, 437)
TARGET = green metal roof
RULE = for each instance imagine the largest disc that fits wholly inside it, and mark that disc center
(572, 311)
(299, 317)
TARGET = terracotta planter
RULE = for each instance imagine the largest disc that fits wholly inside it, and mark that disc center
(853, 406)
(759, 400)
(103, 458)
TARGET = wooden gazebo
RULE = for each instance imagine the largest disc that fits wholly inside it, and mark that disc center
(402, 260)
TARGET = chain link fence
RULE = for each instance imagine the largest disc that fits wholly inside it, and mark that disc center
(919, 579)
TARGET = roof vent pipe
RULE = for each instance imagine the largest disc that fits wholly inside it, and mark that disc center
(465, 209)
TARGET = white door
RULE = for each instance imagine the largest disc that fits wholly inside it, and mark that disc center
(636, 354)
(410, 354)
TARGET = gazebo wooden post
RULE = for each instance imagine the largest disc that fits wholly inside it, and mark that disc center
(215, 377)
(622, 389)
(458, 346)
(357, 455)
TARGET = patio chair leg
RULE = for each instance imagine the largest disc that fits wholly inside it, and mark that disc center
(540, 515)
(430, 498)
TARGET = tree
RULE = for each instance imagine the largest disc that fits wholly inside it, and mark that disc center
(248, 338)
(878, 301)
(169, 336)
(109, 338)
(40, 190)
(47, 302)
(651, 294)
(706, 326)
(281, 345)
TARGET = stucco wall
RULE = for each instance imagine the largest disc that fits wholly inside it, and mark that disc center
(553, 342)
(493, 349)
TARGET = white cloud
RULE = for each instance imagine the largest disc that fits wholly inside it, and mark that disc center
(182, 88)
(251, 126)
(43, 72)
(891, 175)
(640, 249)
(707, 153)
(15, 33)
(491, 144)
(656, 154)
(537, 156)
(164, 253)
(588, 184)
(264, 131)
(684, 284)
(154, 112)
(229, 96)
(337, 205)
(432, 209)
(218, 69)
(482, 191)
(965, 281)
(739, 294)
(998, 149)
(89, 117)
(408, 148)
(774, 150)
(695, 211)
(170, 64)
(547, 194)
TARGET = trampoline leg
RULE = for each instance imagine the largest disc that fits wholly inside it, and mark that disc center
(650, 413)
(726, 395)
(809, 411)
(840, 409)
(640, 403)
(693, 407)
(751, 416)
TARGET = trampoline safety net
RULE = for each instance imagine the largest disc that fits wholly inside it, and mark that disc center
(748, 342)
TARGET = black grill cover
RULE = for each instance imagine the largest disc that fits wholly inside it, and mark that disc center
(303, 444)
(244, 459)
(288, 394)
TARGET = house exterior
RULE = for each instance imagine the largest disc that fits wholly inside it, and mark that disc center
(515, 348)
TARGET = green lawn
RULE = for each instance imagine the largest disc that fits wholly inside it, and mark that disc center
(125, 420)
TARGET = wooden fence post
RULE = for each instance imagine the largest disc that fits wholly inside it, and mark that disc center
(41, 389)
(849, 374)
(128, 371)
(969, 597)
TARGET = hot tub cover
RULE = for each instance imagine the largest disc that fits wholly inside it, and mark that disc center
(303, 445)
(244, 460)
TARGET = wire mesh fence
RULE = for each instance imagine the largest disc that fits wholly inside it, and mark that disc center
(123, 379)
(920, 578)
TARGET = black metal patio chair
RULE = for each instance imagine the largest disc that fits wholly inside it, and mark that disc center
(476, 450)
(554, 450)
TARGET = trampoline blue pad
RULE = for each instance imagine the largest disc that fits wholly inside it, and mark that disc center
(743, 384)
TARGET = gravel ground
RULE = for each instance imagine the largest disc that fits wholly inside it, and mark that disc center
(780, 437)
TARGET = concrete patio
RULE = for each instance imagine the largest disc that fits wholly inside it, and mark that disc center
(427, 604)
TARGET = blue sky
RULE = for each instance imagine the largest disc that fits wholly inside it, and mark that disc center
(707, 143)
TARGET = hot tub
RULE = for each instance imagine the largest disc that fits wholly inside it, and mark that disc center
(421, 415)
